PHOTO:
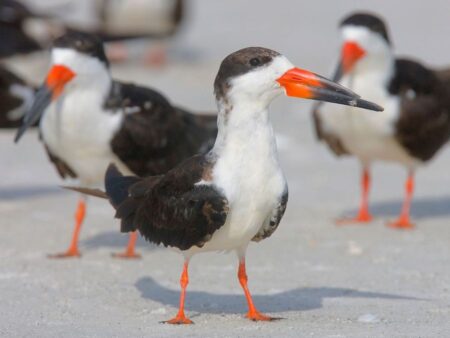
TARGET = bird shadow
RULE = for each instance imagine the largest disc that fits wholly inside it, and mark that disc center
(114, 239)
(18, 192)
(421, 207)
(299, 299)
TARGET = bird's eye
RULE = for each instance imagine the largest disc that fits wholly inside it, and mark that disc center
(255, 62)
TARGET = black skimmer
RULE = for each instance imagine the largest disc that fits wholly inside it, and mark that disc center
(16, 97)
(236, 193)
(14, 39)
(117, 21)
(416, 120)
(90, 120)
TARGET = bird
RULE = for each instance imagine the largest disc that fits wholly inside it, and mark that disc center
(414, 125)
(117, 22)
(235, 193)
(89, 120)
(154, 20)
(16, 97)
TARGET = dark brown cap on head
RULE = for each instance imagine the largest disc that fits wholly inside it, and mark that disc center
(368, 20)
(85, 43)
(241, 62)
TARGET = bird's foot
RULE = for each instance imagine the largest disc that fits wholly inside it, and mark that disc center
(71, 253)
(179, 320)
(156, 57)
(128, 254)
(117, 52)
(402, 223)
(362, 218)
(256, 316)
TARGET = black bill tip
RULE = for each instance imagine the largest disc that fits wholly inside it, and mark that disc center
(42, 99)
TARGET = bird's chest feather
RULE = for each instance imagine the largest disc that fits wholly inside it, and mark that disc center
(359, 122)
(77, 130)
(367, 134)
(250, 177)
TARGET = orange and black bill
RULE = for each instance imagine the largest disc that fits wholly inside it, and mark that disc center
(351, 53)
(57, 78)
(305, 84)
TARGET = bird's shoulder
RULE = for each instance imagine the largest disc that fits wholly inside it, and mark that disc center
(154, 135)
(411, 75)
(423, 124)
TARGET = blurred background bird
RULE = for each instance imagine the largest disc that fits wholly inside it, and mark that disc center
(134, 28)
(90, 120)
(415, 123)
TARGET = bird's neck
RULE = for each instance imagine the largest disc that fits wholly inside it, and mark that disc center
(376, 67)
(95, 86)
(244, 128)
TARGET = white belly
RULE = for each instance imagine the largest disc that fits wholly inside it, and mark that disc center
(367, 134)
(76, 131)
(252, 180)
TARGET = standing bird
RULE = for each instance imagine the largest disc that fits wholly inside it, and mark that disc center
(90, 120)
(236, 193)
(16, 97)
(118, 21)
(415, 123)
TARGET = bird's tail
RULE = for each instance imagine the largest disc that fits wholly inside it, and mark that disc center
(87, 191)
(117, 192)
(117, 189)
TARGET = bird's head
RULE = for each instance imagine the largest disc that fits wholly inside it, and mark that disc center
(364, 39)
(255, 76)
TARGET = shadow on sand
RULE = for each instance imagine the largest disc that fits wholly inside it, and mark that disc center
(422, 207)
(114, 239)
(300, 299)
(17, 193)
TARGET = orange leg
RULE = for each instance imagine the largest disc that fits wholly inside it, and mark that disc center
(129, 251)
(117, 52)
(403, 222)
(253, 313)
(73, 249)
(364, 215)
(180, 318)
(157, 55)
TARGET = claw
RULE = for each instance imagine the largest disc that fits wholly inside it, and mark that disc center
(401, 223)
(256, 316)
(71, 253)
(179, 320)
(360, 219)
(126, 255)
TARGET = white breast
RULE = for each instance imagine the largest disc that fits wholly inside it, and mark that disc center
(367, 134)
(249, 174)
(77, 131)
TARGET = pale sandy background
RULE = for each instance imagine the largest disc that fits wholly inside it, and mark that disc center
(362, 281)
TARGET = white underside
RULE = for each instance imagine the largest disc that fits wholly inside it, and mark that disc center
(367, 134)
(249, 175)
(79, 133)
